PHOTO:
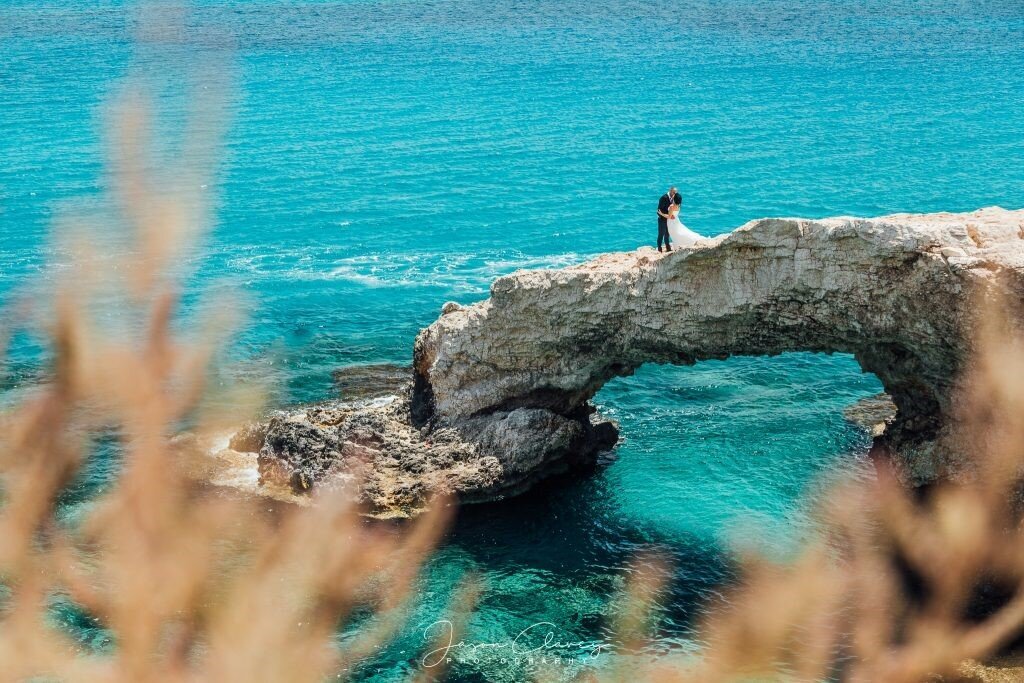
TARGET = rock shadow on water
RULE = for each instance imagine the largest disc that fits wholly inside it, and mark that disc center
(566, 530)
(361, 382)
(559, 554)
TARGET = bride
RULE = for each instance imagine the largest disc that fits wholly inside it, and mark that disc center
(681, 235)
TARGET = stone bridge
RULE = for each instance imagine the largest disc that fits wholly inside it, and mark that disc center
(515, 373)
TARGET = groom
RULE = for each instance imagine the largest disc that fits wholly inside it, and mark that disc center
(664, 205)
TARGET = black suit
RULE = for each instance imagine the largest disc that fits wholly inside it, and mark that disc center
(664, 204)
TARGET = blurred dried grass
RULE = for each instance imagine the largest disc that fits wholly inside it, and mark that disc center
(192, 584)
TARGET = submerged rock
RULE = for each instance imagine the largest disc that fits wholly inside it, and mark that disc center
(500, 390)
(356, 382)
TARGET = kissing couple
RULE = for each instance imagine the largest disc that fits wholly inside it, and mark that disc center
(670, 229)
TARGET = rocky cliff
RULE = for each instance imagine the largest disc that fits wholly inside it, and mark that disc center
(509, 379)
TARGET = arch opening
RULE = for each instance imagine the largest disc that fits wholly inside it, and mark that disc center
(708, 447)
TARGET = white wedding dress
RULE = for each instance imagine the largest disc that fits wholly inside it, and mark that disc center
(681, 235)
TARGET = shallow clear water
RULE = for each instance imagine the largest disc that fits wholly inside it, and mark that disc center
(385, 156)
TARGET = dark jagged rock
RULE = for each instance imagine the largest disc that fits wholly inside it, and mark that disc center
(400, 465)
(302, 445)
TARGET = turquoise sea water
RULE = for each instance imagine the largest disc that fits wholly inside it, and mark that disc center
(384, 156)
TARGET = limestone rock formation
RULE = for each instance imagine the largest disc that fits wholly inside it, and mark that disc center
(500, 392)
(896, 292)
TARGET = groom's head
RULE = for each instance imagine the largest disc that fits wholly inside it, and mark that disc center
(671, 192)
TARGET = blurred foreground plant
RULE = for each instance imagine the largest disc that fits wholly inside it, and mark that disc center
(192, 583)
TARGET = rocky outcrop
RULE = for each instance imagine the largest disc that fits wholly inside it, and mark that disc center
(501, 389)
(895, 292)
(399, 466)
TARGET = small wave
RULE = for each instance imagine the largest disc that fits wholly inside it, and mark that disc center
(238, 473)
(378, 402)
(472, 273)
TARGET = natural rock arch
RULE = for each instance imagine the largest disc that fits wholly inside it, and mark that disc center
(501, 390)
(514, 373)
